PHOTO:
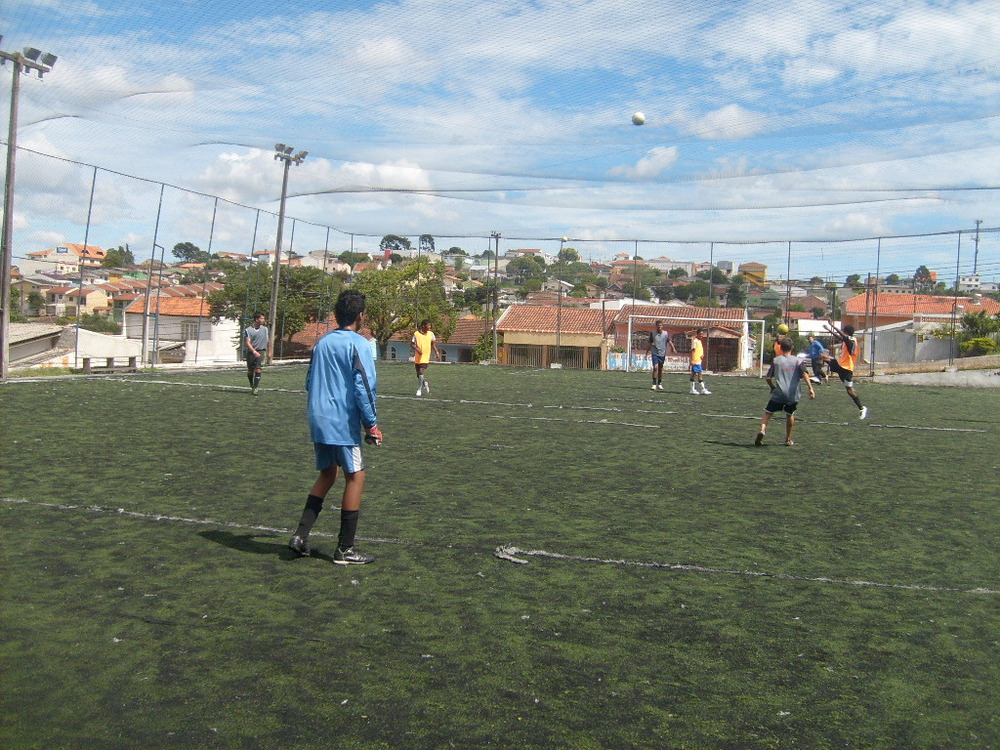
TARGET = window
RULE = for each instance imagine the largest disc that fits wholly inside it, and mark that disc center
(189, 329)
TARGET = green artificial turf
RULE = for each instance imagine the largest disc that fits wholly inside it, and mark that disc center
(683, 588)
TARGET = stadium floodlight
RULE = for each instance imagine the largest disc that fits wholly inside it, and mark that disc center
(284, 153)
(23, 62)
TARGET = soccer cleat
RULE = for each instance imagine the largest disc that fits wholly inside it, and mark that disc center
(427, 387)
(254, 391)
(705, 392)
(759, 440)
(659, 386)
(419, 391)
(652, 387)
(789, 442)
(300, 545)
(351, 556)
(864, 412)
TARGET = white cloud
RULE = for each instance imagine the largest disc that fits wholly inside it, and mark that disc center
(652, 164)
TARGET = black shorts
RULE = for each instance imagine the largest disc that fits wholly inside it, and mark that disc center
(254, 361)
(776, 406)
(846, 376)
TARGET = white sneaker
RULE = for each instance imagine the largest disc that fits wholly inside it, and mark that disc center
(427, 387)
(652, 387)
(694, 392)
(659, 386)
(864, 412)
(419, 391)
(705, 392)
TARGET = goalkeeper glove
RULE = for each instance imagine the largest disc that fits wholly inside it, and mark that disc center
(373, 435)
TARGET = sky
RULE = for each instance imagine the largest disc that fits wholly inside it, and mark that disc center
(820, 137)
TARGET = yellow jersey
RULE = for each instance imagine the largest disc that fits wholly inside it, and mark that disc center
(423, 343)
(697, 352)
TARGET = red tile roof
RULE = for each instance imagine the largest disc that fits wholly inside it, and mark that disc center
(889, 303)
(188, 307)
(544, 319)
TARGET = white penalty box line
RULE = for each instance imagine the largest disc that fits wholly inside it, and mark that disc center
(507, 552)
(513, 554)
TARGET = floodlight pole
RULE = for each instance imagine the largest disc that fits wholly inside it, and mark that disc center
(282, 153)
(30, 59)
(496, 291)
(559, 260)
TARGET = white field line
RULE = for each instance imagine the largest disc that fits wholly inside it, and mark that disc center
(803, 420)
(517, 555)
(181, 519)
(575, 421)
(503, 552)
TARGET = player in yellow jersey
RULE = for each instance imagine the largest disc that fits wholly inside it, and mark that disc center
(697, 358)
(845, 362)
(423, 344)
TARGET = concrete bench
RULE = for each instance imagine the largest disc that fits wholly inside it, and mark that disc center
(110, 366)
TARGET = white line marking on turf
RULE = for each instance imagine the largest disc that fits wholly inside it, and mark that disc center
(806, 420)
(195, 521)
(575, 421)
(516, 555)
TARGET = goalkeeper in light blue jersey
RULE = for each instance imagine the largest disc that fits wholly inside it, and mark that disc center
(341, 391)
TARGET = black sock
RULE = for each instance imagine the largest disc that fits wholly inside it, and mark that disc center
(313, 507)
(856, 400)
(348, 527)
(256, 379)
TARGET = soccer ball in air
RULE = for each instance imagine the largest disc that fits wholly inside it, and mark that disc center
(782, 329)
(638, 118)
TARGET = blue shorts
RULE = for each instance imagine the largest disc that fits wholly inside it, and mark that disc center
(658, 360)
(347, 457)
(696, 369)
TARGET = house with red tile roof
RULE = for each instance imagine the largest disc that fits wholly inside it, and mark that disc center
(873, 309)
(184, 323)
(68, 257)
(543, 335)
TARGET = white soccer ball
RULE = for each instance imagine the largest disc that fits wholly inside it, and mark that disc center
(638, 118)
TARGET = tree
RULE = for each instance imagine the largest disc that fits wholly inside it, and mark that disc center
(716, 275)
(892, 279)
(853, 280)
(922, 275)
(736, 294)
(399, 297)
(352, 258)
(190, 253)
(816, 281)
(569, 255)
(676, 273)
(426, 244)
(526, 267)
(99, 323)
(304, 296)
(692, 291)
(454, 250)
(118, 257)
(395, 244)
(36, 302)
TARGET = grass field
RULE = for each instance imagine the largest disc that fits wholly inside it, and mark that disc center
(681, 588)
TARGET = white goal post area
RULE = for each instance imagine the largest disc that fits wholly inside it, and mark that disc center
(751, 344)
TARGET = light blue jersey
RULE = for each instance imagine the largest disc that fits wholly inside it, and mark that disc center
(341, 388)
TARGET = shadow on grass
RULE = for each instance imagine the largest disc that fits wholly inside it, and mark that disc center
(746, 444)
(249, 543)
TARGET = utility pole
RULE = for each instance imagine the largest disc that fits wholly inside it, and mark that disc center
(559, 266)
(26, 61)
(975, 257)
(282, 153)
(496, 291)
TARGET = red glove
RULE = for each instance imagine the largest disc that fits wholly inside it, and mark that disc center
(373, 435)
